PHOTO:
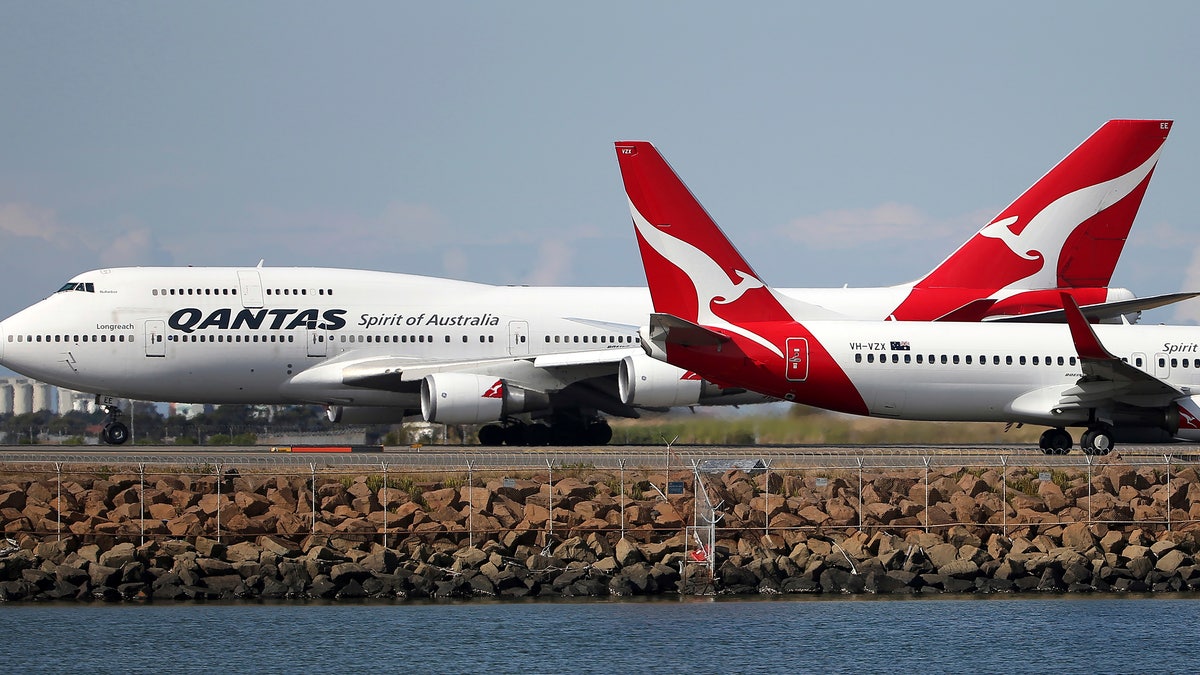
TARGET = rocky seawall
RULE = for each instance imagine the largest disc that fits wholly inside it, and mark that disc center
(91, 536)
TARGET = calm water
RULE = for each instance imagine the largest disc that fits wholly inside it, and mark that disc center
(1126, 635)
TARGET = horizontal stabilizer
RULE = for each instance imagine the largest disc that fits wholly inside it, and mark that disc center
(670, 329)
(1102, 310)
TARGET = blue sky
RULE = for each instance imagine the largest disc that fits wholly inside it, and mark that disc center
(842, 143)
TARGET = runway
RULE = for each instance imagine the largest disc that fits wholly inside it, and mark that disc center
(599, 457)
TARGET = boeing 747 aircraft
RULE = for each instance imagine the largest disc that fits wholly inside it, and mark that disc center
(535, 365)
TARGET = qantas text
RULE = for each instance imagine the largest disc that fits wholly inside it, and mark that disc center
(191, 319)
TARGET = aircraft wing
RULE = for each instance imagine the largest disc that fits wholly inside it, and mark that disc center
(1101, 311)
(538, 373)
(1106, 378)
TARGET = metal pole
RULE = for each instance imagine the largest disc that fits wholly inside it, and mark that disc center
(142, 499)
(58, 504)
(218, 502)
(860, 499)
(1004, 494)
(313, 505)
(385, 503)
(471, 508)
(1089, 466)
(621, 463)
(926, 460)
(550, 520)
(1167, 459)
(766, 500)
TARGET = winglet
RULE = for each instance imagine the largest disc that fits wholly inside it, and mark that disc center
(1086, 342)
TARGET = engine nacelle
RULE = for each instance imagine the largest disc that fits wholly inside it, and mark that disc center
(1184, 419)
(648, 382)
(467, 398)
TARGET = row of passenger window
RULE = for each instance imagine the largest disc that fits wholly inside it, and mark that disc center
(194, 291)
(297, 291)
(237, 337)
(223, 291)
(103, 337)
(968, 359)
(594, 339)
(1022, 360)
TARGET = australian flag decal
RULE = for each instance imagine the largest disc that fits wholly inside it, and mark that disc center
(900, 346)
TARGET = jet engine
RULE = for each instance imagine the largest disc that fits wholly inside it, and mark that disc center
(648, 382)
(467, 398)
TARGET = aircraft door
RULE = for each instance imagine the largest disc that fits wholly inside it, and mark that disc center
(518, 338)
(317, 342)
(251, 287)
(1162, 366)
(156, 341)
(796, 360)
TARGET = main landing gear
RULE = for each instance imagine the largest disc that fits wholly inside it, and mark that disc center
(1097, 440)
(561, 431)
(114, 432)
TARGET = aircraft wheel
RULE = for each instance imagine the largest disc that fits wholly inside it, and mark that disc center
(1098, 441)
(1062, 442)
(514, 434)
(1085, 441)
(1046, 439)
(491, 435)
(115, 433)
(598, 433)
(1055, 442)
(537, 434)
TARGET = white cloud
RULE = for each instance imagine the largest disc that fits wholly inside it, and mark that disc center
(552, 265)
(456, 263)
(891, 221)
(132, 248)
(26, 220)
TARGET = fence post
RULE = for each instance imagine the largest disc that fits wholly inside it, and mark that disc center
(58, 504)
(1089, 466)
(219, 476)
(471, 506)
(550, 520)
(312, 467)
(621, 463)
(766, 498)
(926, 460)
(860, 499)
(1004, 494)
(385, 503)
(1167, 459)
(142, 500)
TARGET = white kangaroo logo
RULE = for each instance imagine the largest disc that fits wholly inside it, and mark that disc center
(711, 283)
(1047, 231)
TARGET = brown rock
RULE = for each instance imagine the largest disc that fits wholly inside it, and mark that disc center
(437, 499)
(1078, 537)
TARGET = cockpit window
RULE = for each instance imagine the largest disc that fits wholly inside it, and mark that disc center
(86, 287)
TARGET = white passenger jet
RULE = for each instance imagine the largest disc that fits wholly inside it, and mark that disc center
(535, 365)
(713, 315)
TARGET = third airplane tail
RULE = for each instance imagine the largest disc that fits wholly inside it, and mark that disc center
(1065, 232)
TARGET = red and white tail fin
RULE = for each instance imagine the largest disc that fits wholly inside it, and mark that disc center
(694, 272)
(1068, 229)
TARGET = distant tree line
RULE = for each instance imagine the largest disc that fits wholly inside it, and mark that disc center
(225, 425)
